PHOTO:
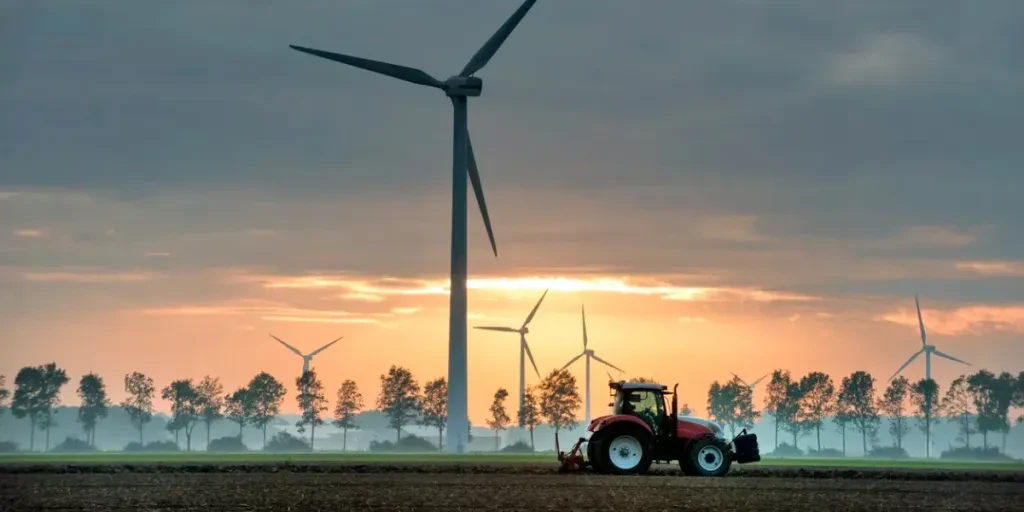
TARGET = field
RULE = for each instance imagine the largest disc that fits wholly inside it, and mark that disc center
(486, 482)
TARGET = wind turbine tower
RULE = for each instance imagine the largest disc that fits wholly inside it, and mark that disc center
(926, 349)
(588, 354)
(459, 89)
(524, 348)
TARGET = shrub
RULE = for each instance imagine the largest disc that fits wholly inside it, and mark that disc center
(983, 454)
(787, 450)
(408, 444)
(283, 442)
(517, 447)
(826, 453)
(231, 444)
(155, 446)
(889, 452)
(73, 445)
(8, 447)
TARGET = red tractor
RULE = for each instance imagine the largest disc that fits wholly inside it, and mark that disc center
(641, 430)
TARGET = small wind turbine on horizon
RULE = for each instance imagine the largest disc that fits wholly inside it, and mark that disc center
(589, 354)
(751, 384)
(926, 349)
(459, 89)
(306, 358)
(524, 348)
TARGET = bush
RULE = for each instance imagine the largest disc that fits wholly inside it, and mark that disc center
(787, 450)
(8, 447)
(283, 442)
(155, 446)
(517, 447)
(73, 445)
(984, 454)
(231, 444)
(408, 444)
(826, 453)
(889, 452)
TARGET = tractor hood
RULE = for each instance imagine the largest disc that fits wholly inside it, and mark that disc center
(715, 427)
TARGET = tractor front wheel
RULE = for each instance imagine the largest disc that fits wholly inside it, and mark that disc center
(625, 450)
(595, 450)
(706, 457)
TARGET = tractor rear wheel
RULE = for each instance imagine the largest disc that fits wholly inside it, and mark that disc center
(625, 450)
(595, 448)
(706, 457)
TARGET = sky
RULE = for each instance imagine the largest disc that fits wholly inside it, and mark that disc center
(730, 186)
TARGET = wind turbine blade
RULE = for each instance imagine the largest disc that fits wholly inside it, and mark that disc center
(321, 349)
(484, 54)
(752, 384)
(583, 313)
(598, 359)
(535, 308)
(911, 360)
(573, 360)
(478, 190)
(408, 74)
(951, 358)
(610, 378)
(740, 379)
(920, 321)
(501, 329)
(530, 355)
(293, 349)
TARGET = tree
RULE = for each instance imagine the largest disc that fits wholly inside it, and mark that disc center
(36, 396)
(789, 411)
(94, 405)
(982, 388)
(312, 403)
(499, 419)
(732, 404)
(816, 401)
(924, 394)
(842, 417)
(529, 415)
(139, 402)
(434, 407)
(559, 400)
(684, 410)
(5, 394)
(267, 395)
(399, 398)
(186, 406)
(238, 407)
(892, 404)
(211, 403)
(858, 391)
(777, 405)
(349, 403)
(1006, 397)
(958, 404)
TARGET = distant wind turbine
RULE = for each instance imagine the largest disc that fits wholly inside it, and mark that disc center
(306, 358)
(926, 349)
(589, 354)
(751, 384)
(524, 348)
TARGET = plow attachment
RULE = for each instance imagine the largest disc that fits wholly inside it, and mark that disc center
(572, 461)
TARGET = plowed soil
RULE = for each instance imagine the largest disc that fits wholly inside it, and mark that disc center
(504, 487)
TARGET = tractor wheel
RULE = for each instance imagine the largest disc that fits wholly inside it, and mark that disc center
(706, 457)
(626, 450)
(595, 450)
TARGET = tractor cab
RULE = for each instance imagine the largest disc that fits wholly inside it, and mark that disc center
(645, 401)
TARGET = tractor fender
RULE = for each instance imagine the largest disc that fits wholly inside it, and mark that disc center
(606, 421)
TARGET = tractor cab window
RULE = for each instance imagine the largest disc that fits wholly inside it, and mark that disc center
(648, 405)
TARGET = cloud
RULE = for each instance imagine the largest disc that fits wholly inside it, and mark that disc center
(993, 268)
(731, 228)
(4, 195)
(406, 311)
(961, 320)
(158, 254)
(692, 319)
(940, 235)
(265, 310)
(91, 277)
(29, 233)
(886, 59)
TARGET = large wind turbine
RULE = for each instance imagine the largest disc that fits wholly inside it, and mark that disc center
(926, 349)
(524, 349)
(306, 358)
(589, 354)
(751, 384)
(458, 89)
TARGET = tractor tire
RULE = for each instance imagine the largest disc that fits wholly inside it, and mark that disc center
(626, 450)
(706, 457)
(595, 449)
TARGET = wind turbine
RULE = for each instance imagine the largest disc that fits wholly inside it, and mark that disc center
(589, 354)
(458, 88)
(752, 384)
(306, 358)
(524, 348)
(926, 349)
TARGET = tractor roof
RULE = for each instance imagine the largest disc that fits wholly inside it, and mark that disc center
(645, 386)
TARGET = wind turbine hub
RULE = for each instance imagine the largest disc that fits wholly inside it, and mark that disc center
(463, 86)
(524, 330)
(929, 348)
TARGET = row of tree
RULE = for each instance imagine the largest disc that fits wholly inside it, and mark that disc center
(257, 404)
(977, 404)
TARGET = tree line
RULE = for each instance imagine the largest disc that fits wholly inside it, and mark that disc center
(978, 404)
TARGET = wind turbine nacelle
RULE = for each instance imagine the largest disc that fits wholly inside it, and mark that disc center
(462, 86)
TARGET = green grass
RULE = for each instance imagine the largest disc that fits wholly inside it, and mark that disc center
(540, 458)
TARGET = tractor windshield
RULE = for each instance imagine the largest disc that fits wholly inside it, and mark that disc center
(648, 405)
